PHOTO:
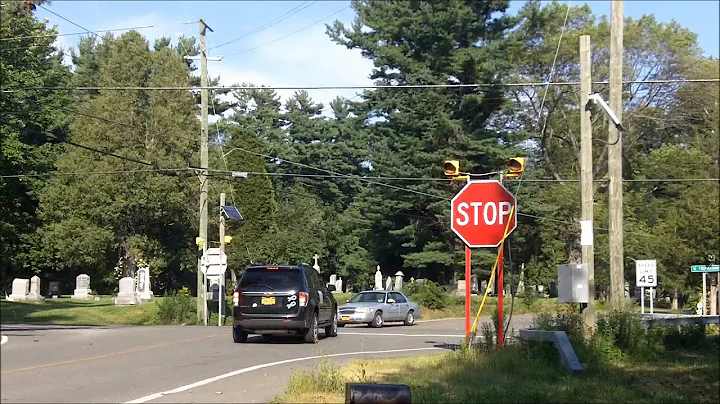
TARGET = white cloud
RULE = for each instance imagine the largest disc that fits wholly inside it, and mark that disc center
(308, 58)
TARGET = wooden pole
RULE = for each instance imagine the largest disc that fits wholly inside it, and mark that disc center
(586, 182)
(617, 277)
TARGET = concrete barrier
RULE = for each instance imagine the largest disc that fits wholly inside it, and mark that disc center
(561, 342)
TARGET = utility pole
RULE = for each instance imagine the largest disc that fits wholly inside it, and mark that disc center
(617, 276)
(586, 183)
(221, 295)
(203, 166)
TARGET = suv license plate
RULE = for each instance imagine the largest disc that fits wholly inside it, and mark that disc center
(267, 301)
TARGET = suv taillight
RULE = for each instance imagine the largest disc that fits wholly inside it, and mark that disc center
(303, 299)
(236, 298)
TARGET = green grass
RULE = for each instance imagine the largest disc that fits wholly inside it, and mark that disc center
(515, 374)
(77, 312)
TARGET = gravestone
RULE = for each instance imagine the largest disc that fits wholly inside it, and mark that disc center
(378, 279)
(20, 290)
(316, 266)
(333, 280)
(126, 294)
(54, 289)
(474, 283)
(553, 290)
(338, 285)
(82, 288)
(460, 288)
(483, 287)
(143, 291)
(399, 280)
(388, 283)
(35, 289)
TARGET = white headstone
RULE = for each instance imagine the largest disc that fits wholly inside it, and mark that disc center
(144, 293)
(378, 279)
(316, 265)
(338, 285)
(35, 289)
(82, 287)
(388, 283)
(461, 284)
(333, 280)
(20, 290)
(126, 294)
(399, 280)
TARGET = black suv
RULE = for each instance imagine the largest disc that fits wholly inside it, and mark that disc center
(283, 299)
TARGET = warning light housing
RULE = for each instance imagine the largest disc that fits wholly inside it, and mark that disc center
(516, 167)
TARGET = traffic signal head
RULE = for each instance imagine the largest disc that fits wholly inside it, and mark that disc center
(452, 168)
(516, 166)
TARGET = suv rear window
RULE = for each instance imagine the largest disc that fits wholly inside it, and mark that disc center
(272, 279)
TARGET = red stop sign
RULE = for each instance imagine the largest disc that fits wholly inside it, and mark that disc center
(480, 212)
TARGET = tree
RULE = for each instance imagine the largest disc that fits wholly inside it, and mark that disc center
(416, 129)
(27, 120)
(92, 220)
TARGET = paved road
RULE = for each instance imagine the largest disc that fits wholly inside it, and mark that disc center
(189, 364)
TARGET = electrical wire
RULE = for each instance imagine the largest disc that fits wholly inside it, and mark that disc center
(288, 35)
(277, 20)
(337, 87)
(359, 178)
(71, 22)
(517, 190)
(93, 32)
(73, 173)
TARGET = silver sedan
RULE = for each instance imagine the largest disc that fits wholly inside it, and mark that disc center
(375, 307)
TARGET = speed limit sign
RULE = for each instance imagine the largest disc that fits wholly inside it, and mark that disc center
(646, 273)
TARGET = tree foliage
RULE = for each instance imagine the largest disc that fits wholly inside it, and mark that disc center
(360, 181)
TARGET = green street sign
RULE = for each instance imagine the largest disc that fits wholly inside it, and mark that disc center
(705, 268)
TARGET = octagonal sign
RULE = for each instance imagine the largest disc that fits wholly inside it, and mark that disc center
(480, 212)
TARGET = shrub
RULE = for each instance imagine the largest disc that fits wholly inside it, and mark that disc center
(428, 294)
(176, 308)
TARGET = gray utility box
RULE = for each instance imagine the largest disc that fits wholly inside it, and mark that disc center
(573, 283)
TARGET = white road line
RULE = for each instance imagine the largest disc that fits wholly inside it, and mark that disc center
(439, 319)
(3, 340)
(261, 366)
(388, 334)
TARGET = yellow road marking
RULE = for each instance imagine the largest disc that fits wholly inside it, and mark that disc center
(147, 348)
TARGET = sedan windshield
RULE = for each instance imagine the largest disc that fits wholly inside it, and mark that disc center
(370, 297)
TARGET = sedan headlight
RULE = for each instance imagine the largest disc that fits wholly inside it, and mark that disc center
(363, 310)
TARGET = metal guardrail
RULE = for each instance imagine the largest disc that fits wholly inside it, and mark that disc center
(362, 393)
(657, 320)
(559, 339)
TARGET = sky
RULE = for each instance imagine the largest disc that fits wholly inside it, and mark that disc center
(296, 51)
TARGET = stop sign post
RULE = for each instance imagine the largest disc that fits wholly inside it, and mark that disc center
(480, 214)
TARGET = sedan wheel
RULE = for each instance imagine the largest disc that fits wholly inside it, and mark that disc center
(377, 321)
(410, 318)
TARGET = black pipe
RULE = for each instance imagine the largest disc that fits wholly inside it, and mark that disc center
(362, 393)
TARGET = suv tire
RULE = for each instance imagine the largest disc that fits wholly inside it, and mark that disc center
(311, 334)
(332, 329)
(239, 335)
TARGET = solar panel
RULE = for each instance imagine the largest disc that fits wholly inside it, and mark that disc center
(232, 212)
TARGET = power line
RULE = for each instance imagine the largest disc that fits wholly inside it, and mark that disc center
(356, 87)
(288, 35)
(91, 32)
(277, 20)
(71, 22)
(359, 178)
(108, 172)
